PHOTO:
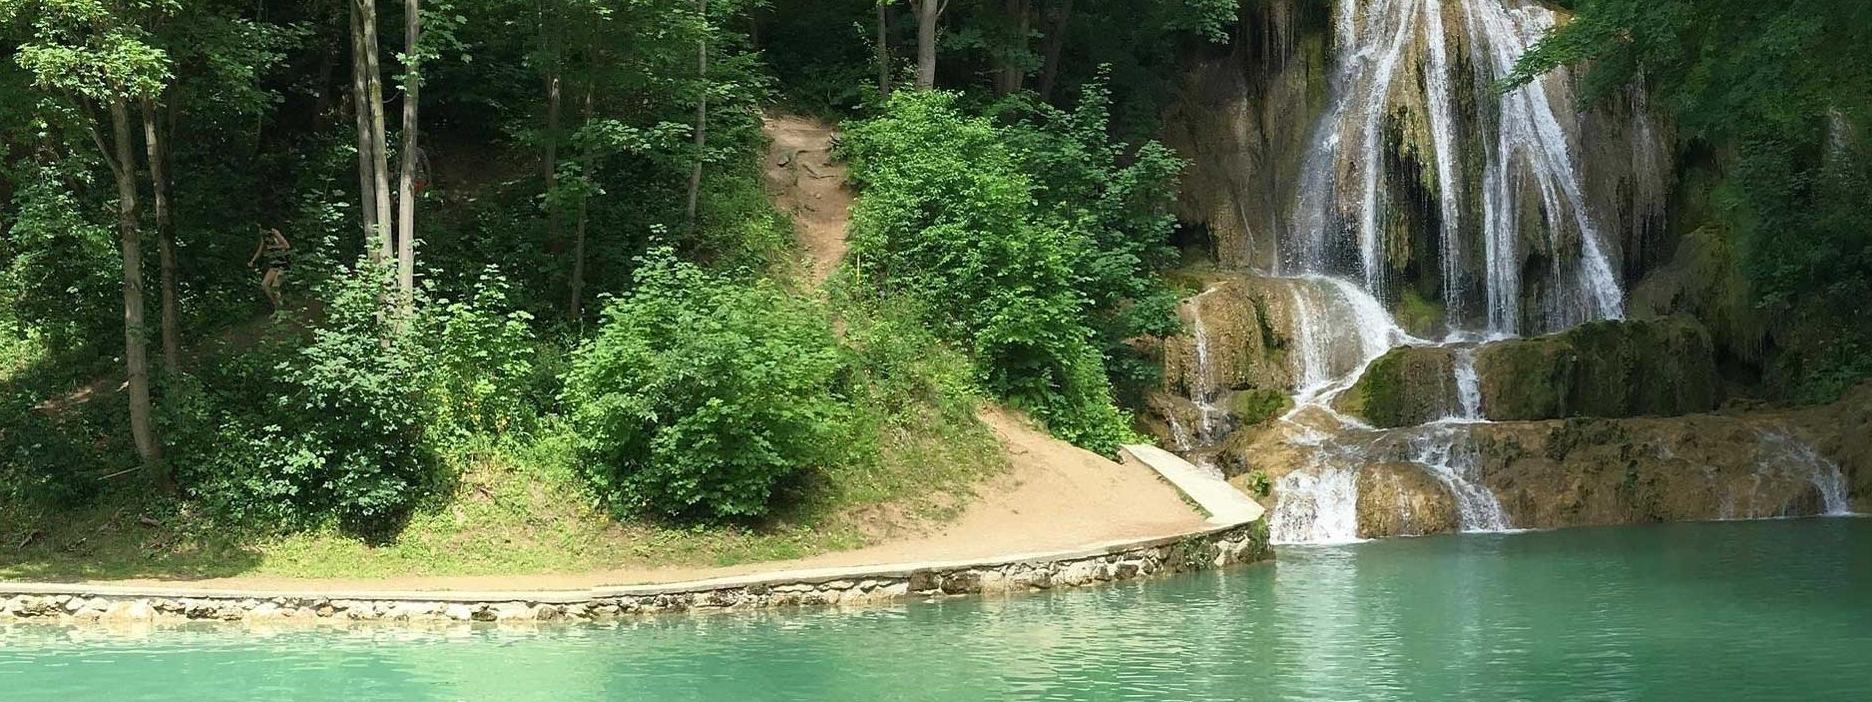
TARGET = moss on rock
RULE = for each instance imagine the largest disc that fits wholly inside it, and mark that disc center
(1408, 385)
(1257, 405)
(1660, 367)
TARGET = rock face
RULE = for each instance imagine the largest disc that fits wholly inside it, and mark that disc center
(1575, 472)
(1409, 385)
(1243, 120)
(1400, 499)
(1234, 357)
(1661, 367)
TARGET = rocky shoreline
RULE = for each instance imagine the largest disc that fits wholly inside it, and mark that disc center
(1212, 548)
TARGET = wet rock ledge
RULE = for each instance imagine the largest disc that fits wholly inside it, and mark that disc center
(1213, 548)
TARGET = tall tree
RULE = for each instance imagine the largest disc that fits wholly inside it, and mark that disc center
(409, 155)
(86, 54)
(883, 48)
(929, 15)
(373, 142)
(701, 112)
(154, 145)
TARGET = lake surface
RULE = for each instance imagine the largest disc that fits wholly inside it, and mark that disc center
(1773, 610)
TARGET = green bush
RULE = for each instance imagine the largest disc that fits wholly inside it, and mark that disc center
(337, 429)
(704, 399)
(1026, 242)
(484, 372)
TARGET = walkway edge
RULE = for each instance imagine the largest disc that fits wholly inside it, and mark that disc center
(1217, 546)
(1224, 503)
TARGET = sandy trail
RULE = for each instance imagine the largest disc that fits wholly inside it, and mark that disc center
(808, 183)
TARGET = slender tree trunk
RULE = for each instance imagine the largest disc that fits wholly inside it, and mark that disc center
(1055, 43)
(136, 359)
(1013, 73)
(409, 154)
(553, 214)
(586, 163)
(883, 49)
(165, 238)
(701, 113)
(380, 146)
(366, 151)
(929, 12)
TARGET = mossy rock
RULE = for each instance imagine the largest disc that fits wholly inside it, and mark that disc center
(1661, 367)
(1406, 386)
(1258, 405)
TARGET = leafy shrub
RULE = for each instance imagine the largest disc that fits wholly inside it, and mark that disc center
(1026, 242)
(338, 430)
(483, 365)
(704, 399)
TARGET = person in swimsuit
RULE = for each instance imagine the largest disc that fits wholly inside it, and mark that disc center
(277, 252)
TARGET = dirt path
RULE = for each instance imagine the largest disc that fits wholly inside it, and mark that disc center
(806, 182)
(1055, 497)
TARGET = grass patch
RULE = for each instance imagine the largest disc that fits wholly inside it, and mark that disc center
(518, 509)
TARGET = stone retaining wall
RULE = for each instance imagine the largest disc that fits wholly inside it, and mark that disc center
(1240, 543)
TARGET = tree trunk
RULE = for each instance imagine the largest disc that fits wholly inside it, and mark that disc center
(165, 239)
(1055, 43)
(883, 49)
(360, 108)
(1013, 73)
(586, 162)
(380, 146)
(136, 360)
(552, 152)
(409, 154)
(701, 114)
(928, 13)
(550, 39)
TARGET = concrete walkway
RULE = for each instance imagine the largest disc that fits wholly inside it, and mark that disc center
(1224, 503)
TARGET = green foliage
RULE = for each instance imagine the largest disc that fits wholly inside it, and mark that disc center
(704, 399)
(342, 432)
(1025, 242)
(484, 372)
(1259, 484)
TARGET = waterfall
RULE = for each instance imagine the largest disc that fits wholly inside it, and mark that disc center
(1443, 141)
(1317, 506)
(1468, 385)
(1446, 454)
(1396, 57)
(1531, 144)
(1781, 454)
(1339, 328)
(1211, 421)
(1203, 389)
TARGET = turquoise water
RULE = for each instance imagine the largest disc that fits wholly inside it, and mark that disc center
(1776, 610)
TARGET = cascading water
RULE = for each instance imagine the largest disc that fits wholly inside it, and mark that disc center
(1203, 390)
(1446, 452)
(1468, 386)
(1396, 70)
(1783, 455)
(1396, 67)
(1318, 506)
(1339, 328)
